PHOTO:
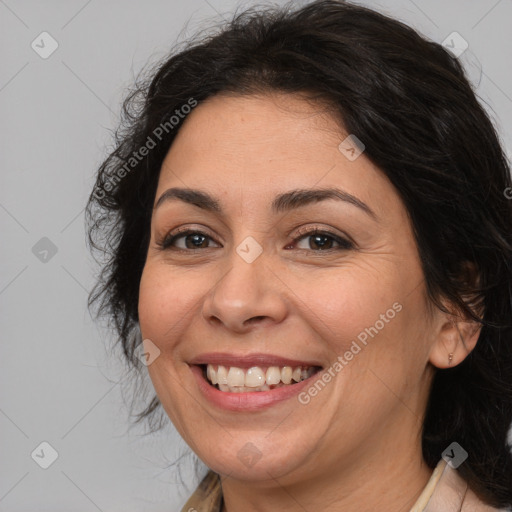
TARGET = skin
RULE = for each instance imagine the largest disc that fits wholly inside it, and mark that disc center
(356, 446)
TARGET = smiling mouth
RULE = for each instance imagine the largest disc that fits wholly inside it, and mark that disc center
(233, 379)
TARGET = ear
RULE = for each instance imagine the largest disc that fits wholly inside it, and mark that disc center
(455, 339)
(457, 336)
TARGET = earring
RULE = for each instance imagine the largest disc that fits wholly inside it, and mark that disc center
(450, 357)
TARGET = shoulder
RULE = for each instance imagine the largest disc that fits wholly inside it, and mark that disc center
(472, 503)
(452, 494)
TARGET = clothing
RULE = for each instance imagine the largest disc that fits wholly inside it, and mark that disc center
(445, 491)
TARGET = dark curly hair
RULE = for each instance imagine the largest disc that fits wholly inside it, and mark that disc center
(411, 103)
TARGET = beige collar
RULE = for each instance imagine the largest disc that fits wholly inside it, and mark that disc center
(428, 490)
(445, 491)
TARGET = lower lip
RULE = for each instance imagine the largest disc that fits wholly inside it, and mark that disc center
(250, 401)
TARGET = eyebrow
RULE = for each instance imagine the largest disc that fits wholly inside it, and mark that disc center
(283, 202)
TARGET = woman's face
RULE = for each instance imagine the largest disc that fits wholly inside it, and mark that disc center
(253, 288)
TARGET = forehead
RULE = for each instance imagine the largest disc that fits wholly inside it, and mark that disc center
(260, 146)
(249, 130)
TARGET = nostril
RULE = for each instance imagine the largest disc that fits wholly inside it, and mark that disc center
(255, 319)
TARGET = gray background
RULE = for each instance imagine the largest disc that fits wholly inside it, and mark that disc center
(58, 382)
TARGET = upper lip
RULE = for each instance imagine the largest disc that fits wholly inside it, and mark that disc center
(248, 360)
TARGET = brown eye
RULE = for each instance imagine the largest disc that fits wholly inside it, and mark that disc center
(323, 241)
(192, 240)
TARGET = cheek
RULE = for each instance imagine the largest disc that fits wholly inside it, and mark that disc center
(164, 303)
(165, 300)
(152, 300)
(343, 303)
(373, 320)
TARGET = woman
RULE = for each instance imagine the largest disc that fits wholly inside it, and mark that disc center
(308, 227)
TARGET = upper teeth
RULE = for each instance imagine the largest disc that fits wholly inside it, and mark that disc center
(255, 377)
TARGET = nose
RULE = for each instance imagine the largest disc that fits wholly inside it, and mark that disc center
(246, 296)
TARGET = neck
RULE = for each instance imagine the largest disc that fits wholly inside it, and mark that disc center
(366, 486)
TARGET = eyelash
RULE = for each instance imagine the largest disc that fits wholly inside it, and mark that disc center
(344, 244)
